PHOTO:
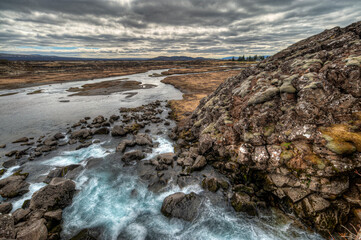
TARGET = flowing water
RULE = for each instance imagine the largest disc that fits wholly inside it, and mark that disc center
(111, 199)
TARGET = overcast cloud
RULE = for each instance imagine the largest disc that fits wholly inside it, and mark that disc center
(148, 28)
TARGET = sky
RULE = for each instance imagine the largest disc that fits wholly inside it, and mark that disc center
(150, 28)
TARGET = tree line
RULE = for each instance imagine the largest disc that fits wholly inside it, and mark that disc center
(249, 58)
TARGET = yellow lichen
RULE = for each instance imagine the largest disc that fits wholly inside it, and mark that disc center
(340, 139)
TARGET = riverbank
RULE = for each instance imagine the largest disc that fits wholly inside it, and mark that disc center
(20, 74)
(195, 87)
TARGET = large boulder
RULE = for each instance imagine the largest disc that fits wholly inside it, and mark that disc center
(181, 205)
(14, 186)
(57, 195)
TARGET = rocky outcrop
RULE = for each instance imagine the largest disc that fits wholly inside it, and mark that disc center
(290, 129)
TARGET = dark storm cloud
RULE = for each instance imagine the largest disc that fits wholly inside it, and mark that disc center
(199, 27)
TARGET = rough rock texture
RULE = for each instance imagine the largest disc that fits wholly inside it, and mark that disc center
(290, 128)
(57, 195)
(13, 186)
(181, 205)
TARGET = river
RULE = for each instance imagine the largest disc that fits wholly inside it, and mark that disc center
(111, 199)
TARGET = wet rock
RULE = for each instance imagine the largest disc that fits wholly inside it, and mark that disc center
(5, 208)
(166, 158)
(83, 145)
(200, 163)
(72, 141)
(99, 119)
(13, 186)
(241, 202)
(10, 163)
(11, 153)
(114, 117)
(59, 136)
(211, 184)
(124, 144)
(101, 131)
(7, 227)
(82, 134)
(35, 231)
(20, 215)
(296, 194)
(57, 195)
(143, 139)
(54, 215)
(119, 131)
(181, 205)
(43, 149)
(23, 139)
(85, 234)
(50, 142)
(133, 156)
(3, 146)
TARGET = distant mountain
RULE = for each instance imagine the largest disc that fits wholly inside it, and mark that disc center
(177, 58)
(36, 57)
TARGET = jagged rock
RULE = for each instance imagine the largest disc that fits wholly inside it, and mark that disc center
(23, 139)
(99, 119)
(13, 186)
(35, 231)
(289, 125)
(54, 215)
(20, 215)
(124, 144)
(133, 156)
(241, 202)
(82, 134)
(57, 195)
(166, 158)
(143, 139)
(211, 184)
(118, 131)
(100, 131)
(83, 145)
(50, 142)
(7, 227)
(5, 208)
(58, 136)
(296, 194)
(200, 163)
(181, 205)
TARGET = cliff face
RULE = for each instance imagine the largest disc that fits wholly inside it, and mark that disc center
(288, 131)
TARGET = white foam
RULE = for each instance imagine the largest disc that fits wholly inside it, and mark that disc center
(9, 172)
(79, 156)
(165, 146)
(32, 189)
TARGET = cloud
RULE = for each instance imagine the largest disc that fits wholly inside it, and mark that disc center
(125, 28)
